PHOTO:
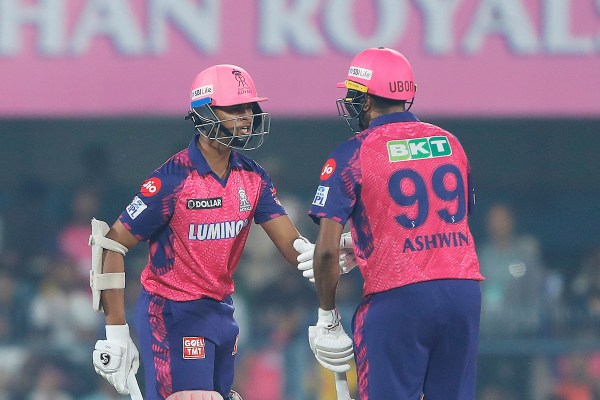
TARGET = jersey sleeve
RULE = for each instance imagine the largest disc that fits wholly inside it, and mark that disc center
(154, 204)
(268, 206)
(335, 196)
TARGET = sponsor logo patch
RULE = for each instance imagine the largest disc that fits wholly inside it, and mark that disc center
(362, 73)
(321, 196)
(417, 149)
(204, 204)
(136, 207)
(328, 169)
(105, 358)
(193, 347)
(216, 230)
(274, 195)
(202, 91)
(150, 187)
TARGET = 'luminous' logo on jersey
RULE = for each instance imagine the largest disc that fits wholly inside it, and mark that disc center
(193, 347)
(244, 203)
(204, 204)
(136, 207)
(362, 73)
(216, 230)
(417, 149)
(321, 196)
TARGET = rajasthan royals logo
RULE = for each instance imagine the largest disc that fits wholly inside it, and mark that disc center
(244, 203)
(243, 87)
(240, 78)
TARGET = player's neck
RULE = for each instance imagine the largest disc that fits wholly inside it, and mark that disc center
(216, 155)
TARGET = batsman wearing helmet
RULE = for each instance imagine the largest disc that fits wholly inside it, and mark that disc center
(195, 212)
(404, 186)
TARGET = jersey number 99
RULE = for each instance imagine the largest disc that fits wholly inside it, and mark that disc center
(420, 197)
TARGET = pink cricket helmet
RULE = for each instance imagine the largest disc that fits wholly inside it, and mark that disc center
(227, 85)
(223, 85)
(381, 72)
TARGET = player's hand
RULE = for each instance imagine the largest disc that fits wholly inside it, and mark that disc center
(305, 259)
(307, 250)
(331, 346)
(347, 256)
(116, 357)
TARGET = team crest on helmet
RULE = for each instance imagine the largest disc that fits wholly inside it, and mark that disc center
(243, 87)
(244, 203)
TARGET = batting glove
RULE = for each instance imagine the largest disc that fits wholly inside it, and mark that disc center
(116, 357)
(307, 250)
(347, 256)
(331, 346)
(305, 260)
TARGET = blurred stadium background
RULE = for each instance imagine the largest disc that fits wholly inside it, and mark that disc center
(92, 99)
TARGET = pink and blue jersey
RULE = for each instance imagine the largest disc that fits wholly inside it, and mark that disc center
(405, 187)
(197, 224)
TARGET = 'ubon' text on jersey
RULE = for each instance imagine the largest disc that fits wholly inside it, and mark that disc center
(196, 224)
(404, 186)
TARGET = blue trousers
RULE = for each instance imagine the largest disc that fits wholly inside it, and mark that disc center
(186, 345)
(419, 338)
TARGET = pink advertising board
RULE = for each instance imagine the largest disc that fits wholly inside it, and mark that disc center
(76, 58)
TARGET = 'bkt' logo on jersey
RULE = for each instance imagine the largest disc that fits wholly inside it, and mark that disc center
(417, 149)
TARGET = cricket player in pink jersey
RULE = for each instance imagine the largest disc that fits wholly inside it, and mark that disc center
(404, 186)
(195, 212)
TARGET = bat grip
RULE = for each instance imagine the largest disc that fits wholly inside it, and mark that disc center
(134, 389)
(341, 386)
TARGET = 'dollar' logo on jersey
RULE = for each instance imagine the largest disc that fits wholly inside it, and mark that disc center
(244, 203)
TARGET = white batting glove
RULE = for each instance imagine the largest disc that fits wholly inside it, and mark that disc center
(116, 357)
(305, 260)
(347, 256)
(307, 250)
(331, 346)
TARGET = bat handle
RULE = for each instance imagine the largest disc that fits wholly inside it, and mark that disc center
(134, 389)
(341, 386)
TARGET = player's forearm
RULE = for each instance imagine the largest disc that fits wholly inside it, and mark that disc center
(327, 273)
(113, 300)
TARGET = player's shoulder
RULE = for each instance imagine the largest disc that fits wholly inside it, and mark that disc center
(246, 162)
(349, 146)
(176, 167)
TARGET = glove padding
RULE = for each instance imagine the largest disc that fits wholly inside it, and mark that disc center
(347, 256)
(116, 357)
(307, 250)
(329, 343)
(305, 260)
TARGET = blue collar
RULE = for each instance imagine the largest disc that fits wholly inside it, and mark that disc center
(405, 116)
(200, 163)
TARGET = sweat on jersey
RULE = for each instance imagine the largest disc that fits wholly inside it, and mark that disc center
(404, 185)
(196, 224)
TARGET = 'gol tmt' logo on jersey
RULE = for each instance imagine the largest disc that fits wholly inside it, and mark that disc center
(417, 149)
(244, 203)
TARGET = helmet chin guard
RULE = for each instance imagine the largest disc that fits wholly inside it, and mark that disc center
(228, 85)
(211, 127)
